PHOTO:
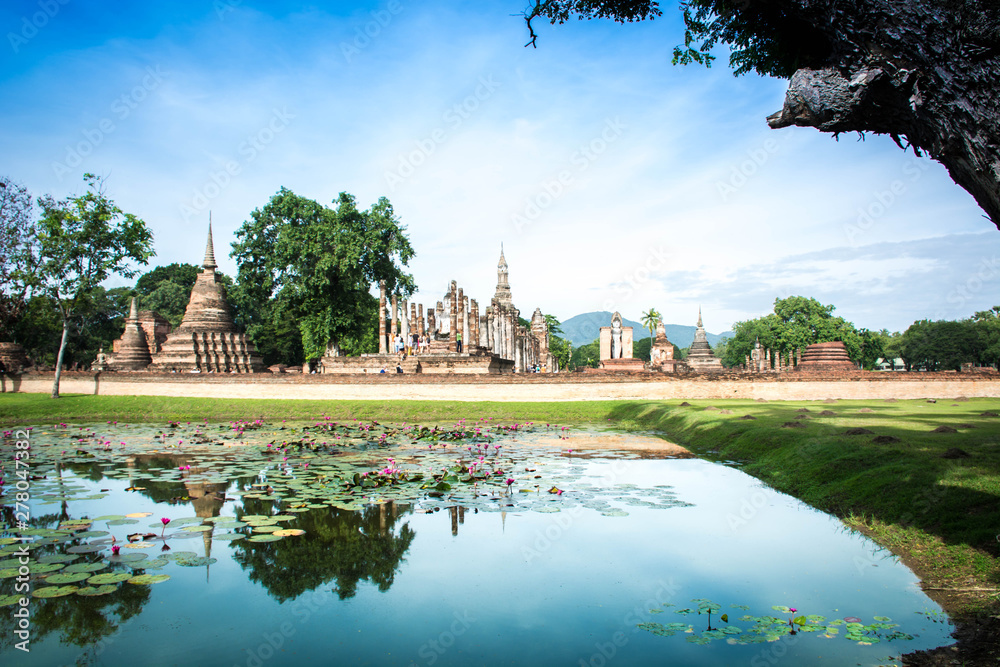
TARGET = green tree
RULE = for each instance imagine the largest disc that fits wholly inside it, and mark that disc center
(719, 349)
(588, 355)
(940, 345)
(76, 245)
(855, 66)
(987, 327)
(16, 212)
(795, 323)
(649, 320)
(305, 271)
(558, 346)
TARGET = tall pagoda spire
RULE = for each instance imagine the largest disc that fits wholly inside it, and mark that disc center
(503, 285)
(209, 262)
(700, 325)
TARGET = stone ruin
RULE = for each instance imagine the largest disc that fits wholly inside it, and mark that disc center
(207, 340)
(700, 358)
(818, 358)
(661, 353)
(616, 347)
(454, 336)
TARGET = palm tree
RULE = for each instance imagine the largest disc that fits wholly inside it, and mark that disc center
(650, 319)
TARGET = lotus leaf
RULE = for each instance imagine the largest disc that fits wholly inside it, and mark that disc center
(148, 578)
(54, 591)
(92, 591)
(67, 577)
(109, 578)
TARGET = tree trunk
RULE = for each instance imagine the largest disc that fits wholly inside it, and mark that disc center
(59, 359)
(922, 71)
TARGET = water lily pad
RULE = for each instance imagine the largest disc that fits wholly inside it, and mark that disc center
(42, 568)
(122, 522)
(266, 528)
(138, 545)
(148, 578)
(288, 532)
(67, 577)
(197, 561)
(110, 517)
(109, 578)
(54, 591)
(85, 567)
(264, 538)
(57, 558)
(92, 591)
(197, 529)
(8, 600)
(129, 557)
(179, 554)
(85, 548)
(151, 564)
(231, 537)
(138, 515)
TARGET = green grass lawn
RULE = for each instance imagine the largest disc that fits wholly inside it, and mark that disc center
(942, 515)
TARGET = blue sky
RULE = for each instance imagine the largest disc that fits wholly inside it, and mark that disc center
(614, 180)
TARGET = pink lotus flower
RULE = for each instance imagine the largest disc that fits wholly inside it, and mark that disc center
(115, 549)
(792, 609)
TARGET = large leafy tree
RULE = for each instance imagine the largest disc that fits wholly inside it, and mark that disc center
(920, 71)
(796, 322)
(305, 271)
(941, 345)
(16, 212)
(558, 346)
(75, 246)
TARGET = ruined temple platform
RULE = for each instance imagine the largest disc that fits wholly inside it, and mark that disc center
(424, 364)
(621, 365)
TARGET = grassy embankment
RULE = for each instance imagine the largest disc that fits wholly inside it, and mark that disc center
(941, 515)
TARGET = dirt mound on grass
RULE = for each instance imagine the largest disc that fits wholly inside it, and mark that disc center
(945, 429)
(858, 431)
(885, 439)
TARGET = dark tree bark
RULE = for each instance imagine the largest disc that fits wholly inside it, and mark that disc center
(926, 72)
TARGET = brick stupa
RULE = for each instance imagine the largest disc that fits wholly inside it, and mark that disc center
(132, 349)
(700, 357)
(822, 357)
(207, 340)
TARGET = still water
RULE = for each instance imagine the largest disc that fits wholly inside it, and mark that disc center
(371, 544)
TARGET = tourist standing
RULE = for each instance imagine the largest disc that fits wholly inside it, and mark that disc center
(458, 340)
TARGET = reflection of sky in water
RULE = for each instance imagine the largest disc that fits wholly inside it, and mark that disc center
(529, 588)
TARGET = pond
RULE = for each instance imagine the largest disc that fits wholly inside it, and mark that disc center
(251, 543)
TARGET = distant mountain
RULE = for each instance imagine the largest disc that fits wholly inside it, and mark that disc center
(586, 328)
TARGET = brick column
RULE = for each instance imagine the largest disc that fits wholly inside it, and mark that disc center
(452, 341)
(381, 318)
(474, 337)
(461, 320)
(392, 326)
(420, 319)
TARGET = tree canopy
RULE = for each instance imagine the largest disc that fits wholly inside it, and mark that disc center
(855, 66)
(16, 212)
(795, 323)
(305, 271)
(77, 244)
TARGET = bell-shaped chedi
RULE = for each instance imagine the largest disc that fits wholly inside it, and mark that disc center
(207, 339)
(700, 357)
(133, 349)
(822, 357)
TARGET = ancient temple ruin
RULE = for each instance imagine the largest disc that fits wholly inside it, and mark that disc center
(661, 353)
(700, 358)
(131, 351)
(616, 347)
(207, 340)
(454, 336)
